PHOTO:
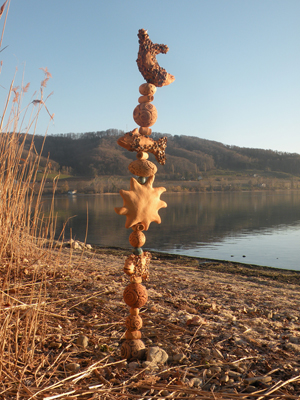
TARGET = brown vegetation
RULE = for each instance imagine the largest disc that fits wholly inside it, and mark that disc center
(91, 161)
(25, 238)
(94, 163)
(97, 154)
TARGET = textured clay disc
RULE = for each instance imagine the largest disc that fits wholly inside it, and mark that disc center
(142, 168)
(146, 99)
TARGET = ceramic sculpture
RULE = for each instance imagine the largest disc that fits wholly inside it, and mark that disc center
(135, 141)
(147, 63)
(142, 202)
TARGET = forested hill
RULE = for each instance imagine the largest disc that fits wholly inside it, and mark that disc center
(97, 153)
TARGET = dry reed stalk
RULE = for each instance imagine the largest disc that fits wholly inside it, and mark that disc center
(1, 13)
(24, 231)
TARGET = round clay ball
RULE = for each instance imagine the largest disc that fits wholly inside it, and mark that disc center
(137, 239)
(125, 350)
(134, 323)
(135, 295)
(145, 114)
(133, 349)
(147, 88)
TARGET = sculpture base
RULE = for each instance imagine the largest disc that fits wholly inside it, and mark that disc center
(133, 349)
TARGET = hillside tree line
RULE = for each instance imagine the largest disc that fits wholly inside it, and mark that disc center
(93, 154)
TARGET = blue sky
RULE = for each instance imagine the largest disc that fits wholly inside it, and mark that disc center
(236, 64)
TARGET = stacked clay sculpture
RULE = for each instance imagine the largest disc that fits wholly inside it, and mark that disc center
(142, 202)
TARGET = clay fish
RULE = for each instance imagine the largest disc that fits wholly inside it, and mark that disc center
(147, 63)
(134, 141)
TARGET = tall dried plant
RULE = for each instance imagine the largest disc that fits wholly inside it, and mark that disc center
(25, 234)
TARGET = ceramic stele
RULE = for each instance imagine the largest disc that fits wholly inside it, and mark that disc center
(142, 202)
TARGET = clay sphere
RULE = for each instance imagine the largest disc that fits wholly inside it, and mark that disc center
(143, 168)
(135, 295)
(133, 349)
(137, 239)
(145, 114)
(147, 88)
(133, 323)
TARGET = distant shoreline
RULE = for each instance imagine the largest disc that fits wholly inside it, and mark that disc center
(222, 266)
(179, 192)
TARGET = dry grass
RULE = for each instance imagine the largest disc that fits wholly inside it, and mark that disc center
(25, 235)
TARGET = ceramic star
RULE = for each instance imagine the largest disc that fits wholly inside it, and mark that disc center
(141, 203)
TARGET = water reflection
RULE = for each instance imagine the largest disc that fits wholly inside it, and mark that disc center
(199, 224)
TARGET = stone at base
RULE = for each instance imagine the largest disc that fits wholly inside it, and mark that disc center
(133, 349)
(156, 355)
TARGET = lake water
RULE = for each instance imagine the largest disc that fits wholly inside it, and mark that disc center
(260, 228)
